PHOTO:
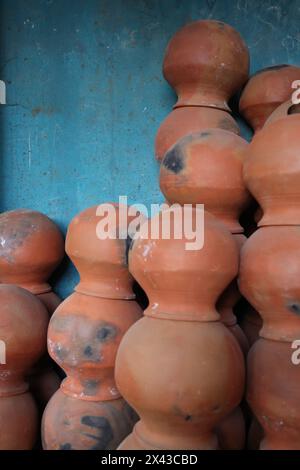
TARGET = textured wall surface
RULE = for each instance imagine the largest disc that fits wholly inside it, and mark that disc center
(85, 94)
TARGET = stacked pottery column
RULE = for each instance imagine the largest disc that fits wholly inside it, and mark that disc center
(88, 411)
(23, 326)
(206, 62)
(179, 367)
(31, 248)
(269, 279)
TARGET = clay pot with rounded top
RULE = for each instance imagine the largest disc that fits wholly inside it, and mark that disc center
(179, 367)
(206, 62)
(268, 278)
(284, 110)
(272, 171)
(71, 424)
(31, 248)
(187, 120)
(207, 168)
(102, 263)
(265, 91)
(23, 330)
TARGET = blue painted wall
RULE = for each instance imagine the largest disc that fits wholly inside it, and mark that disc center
(86, 95)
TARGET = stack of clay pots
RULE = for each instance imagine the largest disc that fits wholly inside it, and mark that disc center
(88, 411)
(269, 279)
(201, 156)
(179, 367)
(31, 248)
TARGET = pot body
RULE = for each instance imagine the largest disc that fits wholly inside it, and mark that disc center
(265, 91)
(71, 424)
(179, 414)
(83, 338)
(206, 62)
(32, 248)
(272, 171)
(273, 393)
(207, 168)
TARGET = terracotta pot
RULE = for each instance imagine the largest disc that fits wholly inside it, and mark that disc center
(284, 110)
(268, 278)
(231, 431)
(191, 397)
(265, 91)
(184, 121)
(102, 264)
(83, 337)
(273, 393)
(71, 424)
(31, 248)
(272, 171)
(228, 300)
(20, 422)
(206, 62)
(23, 327)
(207, 168)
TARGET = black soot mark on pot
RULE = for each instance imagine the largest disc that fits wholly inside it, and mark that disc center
(173, 159)
(103, 428)
(91, 387)
(294, 307)
(88, 351)
(106, 333)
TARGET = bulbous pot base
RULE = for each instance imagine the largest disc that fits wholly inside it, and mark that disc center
(18, 422)
(72, 424)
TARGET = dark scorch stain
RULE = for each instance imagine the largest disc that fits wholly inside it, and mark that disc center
(173, 159)
(188, 417)
(294, 307)
(60, 352)
(103, 428)
(105, 333)
(88, 351)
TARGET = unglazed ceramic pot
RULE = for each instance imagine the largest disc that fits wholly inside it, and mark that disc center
(32, 247)
(206, 62)
(207, 168)
(265, 91)
(187, 120)
(71, 424)
(23, 330)
(84, 334)
(270, 267)
(284, 110)
(272, 171)
(179, 367)
(231, 431)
